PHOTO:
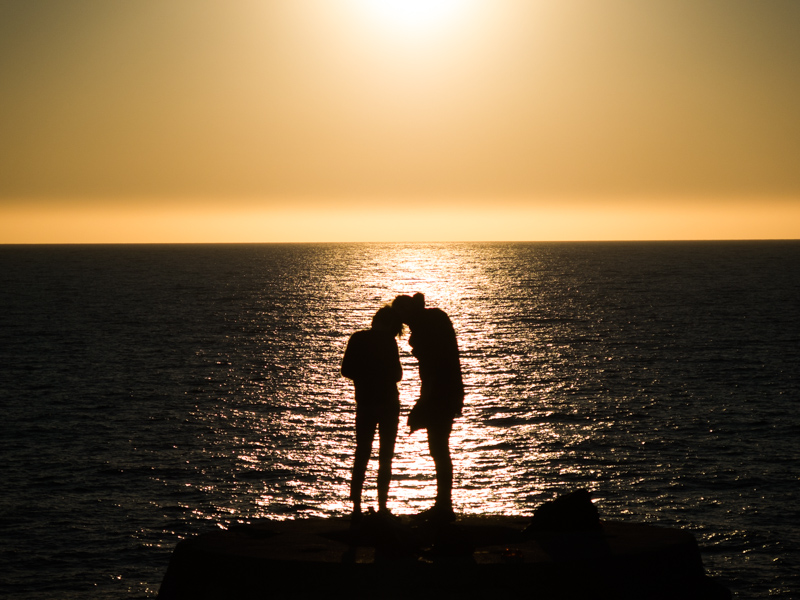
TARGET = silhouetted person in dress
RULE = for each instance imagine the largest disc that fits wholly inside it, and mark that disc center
(433, 342)
(372, 361)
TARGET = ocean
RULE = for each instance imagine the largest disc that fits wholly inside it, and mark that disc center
(154, 392)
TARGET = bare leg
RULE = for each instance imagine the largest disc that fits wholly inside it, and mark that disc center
(388, 436)
(365, 432)
(439, 445)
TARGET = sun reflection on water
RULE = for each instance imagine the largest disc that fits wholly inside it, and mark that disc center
(490, 463)
(291, 414)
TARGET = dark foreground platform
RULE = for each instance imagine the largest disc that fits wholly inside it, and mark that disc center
(475, 557)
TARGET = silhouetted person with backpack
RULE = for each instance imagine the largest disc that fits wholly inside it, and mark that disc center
(372, 361)
(433, 343)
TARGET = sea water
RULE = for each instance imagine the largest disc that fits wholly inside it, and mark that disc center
(151, 393)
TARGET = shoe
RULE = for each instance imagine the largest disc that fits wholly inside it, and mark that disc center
(385, 513)
(436, 514)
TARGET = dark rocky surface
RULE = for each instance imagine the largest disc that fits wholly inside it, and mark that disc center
(474, 557)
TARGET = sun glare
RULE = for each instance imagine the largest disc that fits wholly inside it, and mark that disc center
(414, 16)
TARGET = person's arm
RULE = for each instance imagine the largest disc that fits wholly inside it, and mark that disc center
(398, 369)
(351, 360)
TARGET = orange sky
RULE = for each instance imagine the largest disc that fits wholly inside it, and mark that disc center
(337, 120)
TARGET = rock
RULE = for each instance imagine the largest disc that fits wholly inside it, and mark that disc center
(571, 512)
(478, 556)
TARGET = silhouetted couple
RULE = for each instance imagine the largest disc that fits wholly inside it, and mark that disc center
(372, 361)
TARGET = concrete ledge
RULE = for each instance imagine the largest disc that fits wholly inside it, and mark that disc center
(471, 558)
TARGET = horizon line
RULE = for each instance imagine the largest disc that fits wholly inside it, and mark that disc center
(391, 242)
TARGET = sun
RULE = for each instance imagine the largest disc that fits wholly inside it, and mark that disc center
(415, 16)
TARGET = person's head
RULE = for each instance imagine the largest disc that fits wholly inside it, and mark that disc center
(408, 307)
(387, 319)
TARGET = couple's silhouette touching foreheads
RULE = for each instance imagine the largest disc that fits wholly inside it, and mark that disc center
(372, 361)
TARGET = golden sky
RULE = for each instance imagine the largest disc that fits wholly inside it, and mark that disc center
(361, 120)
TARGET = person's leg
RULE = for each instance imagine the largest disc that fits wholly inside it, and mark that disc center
(365, 432)
(388, 436)
(439, 445)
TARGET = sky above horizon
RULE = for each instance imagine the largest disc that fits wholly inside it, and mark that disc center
(398, 120)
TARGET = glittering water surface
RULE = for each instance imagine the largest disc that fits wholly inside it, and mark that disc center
(154, 392)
